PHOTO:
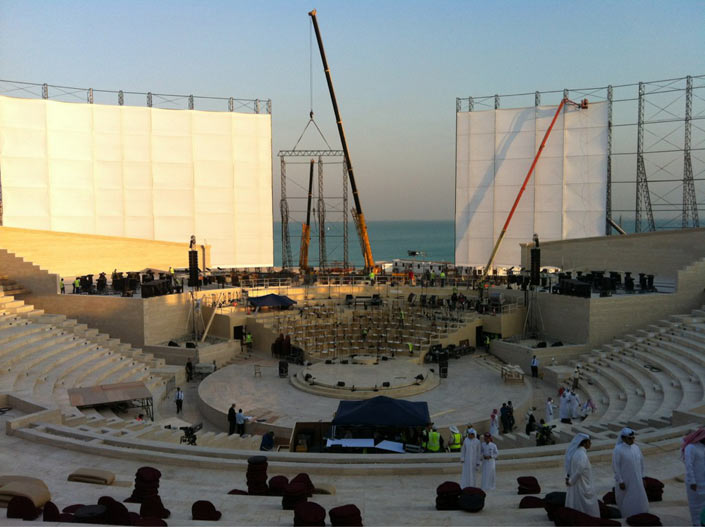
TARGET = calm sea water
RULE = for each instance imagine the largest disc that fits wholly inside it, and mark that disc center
(389, 239)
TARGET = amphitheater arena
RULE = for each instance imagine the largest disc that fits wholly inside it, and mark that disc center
(50, 343)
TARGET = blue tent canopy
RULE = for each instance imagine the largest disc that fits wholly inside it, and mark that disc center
(382, 411)
(271, 301)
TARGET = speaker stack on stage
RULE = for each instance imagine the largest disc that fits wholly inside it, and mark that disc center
(193, 268)
(443, 364)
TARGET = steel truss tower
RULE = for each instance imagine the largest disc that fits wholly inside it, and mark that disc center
(320, 213)
(322, 260)
(690, 206)
(643, 198)
(608, 204)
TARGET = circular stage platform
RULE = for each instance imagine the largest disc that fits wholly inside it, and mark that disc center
(366, 376)
(473, 388)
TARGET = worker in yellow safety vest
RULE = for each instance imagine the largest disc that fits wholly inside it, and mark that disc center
(76, 286)
(434, 440)
(456, 439)
(248, 340)
(372, 278)
(411, 348)
(424, 436)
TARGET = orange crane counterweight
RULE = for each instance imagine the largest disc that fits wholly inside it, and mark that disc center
(359, 216)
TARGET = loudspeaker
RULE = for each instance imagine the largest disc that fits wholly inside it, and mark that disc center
(193, 268)
(341, 384)
(443, 371)
(385, 384)
(535, 266)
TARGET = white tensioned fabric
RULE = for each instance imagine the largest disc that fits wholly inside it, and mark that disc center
(565, 197)
(140, 172)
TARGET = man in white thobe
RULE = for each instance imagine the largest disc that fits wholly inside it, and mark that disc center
(470, 457)
(628, 467)
(564, 407)
(581, 494)
(693, 455)
(574, 405)
(489, 453)
(549, 409)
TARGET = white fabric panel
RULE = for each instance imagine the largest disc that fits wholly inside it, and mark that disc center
(565, 197)
(140, 172)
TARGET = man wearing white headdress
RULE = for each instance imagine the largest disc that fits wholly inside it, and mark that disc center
(574, 405)
(470, 457)
(693, 455)
(489, 453)
(581, 494)
(628, 467)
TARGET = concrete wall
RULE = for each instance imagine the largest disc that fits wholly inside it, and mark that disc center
(69, 254)
(514, 353)
(661, 253)
(36, 280)
(221, 353)
(119, 317)
(505, 324)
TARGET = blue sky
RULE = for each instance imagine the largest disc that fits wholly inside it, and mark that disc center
(397, 66)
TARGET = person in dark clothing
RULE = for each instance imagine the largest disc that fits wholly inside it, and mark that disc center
(510, 412)
(267, 441)
(232, 420)
(189, 370)
(504, 418)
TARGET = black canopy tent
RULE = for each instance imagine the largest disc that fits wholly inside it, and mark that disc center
(271, 300)
(382, 411)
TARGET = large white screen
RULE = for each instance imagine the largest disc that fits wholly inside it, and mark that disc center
(565, 198)
(140, 172)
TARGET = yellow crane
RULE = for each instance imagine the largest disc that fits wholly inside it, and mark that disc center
(357, 212)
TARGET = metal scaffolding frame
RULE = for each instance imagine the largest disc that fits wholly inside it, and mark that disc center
(325, 205)
(57, 92)
(666, 173)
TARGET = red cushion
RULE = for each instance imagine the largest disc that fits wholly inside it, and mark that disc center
(531, 502)
(448, 487)
(652, 483)
(148, 474)
(295, 489)
(51, 512)
(205, 510)
(528, 490)
(309, 513)
(527, 481)
(21, 507)
(239, 492)
(345, 515)
(115, 512)
(473, 490)
(306, 480)
(152, 507)
(277, 484)
(644, 519)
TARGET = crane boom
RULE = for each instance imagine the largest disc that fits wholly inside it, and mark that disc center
(359, 216)
(306, 227)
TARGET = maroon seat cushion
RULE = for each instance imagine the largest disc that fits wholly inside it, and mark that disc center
(148, 474)
(72, 508)
(471, 502)
(295, 489)
(473, 490)
(528, 490)
(277, 484)
(527, 481)
(256, 460)
(609, 523)
(652, 483)
(152, 507)
(305, 480)
(609, 498)
(105, 500)
(448, 487)
(531, 502)
(21, 507)
(345, 515)
(239, 492)
(65, 517)
(309, 513)
(205, 510)
(447, 502)
(644, 519)
(51, 512)
(116, 513)
(565, 516)
(608, 512)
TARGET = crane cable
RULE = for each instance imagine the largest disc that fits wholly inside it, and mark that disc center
(310, 91)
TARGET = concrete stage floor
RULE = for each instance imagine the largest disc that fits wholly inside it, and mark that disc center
(473, 388)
